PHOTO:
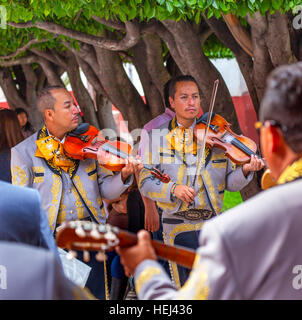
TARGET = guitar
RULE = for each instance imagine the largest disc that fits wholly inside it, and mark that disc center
(89, 236)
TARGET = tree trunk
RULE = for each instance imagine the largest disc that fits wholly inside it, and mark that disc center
(104, 113)
(201, 68)
(31, 95)
(120, 90)
(245, 62)
(153, 96)
(80, 92)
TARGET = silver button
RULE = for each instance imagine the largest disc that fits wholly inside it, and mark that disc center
(71, 211)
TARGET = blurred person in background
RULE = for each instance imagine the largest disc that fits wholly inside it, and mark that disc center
(27, 128)
(10, 135)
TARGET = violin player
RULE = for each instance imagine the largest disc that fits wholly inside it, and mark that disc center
(252, 251)
(70, 189)
(174, 149)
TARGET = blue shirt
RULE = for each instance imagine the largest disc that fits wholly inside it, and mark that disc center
(5, 173)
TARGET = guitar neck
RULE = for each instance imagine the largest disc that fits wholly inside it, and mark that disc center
(180, 255)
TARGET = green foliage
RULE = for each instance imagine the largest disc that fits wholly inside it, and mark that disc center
(65, 13)
(24, 10)
(231, 200)
(214, 49)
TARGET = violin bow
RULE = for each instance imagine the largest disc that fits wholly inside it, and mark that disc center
(201, 159)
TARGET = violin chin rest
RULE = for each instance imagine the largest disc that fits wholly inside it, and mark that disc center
(80, 129)
(204, 117)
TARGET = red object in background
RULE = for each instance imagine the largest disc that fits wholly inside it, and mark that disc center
(4, 105)
(246, 116)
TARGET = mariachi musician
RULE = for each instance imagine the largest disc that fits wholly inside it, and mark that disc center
(69, 189)
(191, 196)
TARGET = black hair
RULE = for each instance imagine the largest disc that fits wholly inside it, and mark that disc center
(181, 78)
(45, 100)
(28, 126)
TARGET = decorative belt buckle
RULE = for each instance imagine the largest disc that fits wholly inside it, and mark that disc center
(195, 214)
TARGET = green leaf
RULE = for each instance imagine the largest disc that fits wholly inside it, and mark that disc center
(169, 7)
(122, 16)
(197, 17)
(132, 13)
(276, 4)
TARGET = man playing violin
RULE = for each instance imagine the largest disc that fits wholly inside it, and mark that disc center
(173, 150)
(252, 251)
(70, 189)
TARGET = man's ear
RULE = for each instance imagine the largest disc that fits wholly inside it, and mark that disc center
(171, 103)
(49, 114)
(275, 139)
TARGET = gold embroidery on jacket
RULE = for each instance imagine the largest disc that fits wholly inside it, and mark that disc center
(180, 228)
(38, 179)
(62, 214)
(55, 190)
(160, 195)
(291, 173)
(220, 189)
(195, 287)
(19, 176)
(212, 191)
(100, 203)
(145, 276)
(92, 168)
(82, 191)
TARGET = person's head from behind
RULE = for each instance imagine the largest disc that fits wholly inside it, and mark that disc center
(184, 98)
(281, 115)
(10, 130)
(58, 109)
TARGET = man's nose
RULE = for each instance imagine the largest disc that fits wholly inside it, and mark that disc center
(75, 109)
(191, 101)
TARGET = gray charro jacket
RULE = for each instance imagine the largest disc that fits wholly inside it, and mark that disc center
(220, 173)
(59, 197)
(253, 251)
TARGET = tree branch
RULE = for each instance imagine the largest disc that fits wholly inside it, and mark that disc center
(278, 39)
(117, 25)
(24, 60)
(239, 33)
(77, 16)
(48, 56)
(262, 60)
(168, 38)
(21, 49)
(52, 77)
(91, 76)
(130, 39)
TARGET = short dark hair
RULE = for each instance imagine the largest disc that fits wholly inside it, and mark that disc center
(181, 78)
(45, 99)
(21, 110)
(282, 102)
(166, 93)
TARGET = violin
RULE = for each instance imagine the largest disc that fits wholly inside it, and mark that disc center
(237, 147)
(83, 143)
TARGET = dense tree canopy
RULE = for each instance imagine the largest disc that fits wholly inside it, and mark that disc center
(161, 38)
